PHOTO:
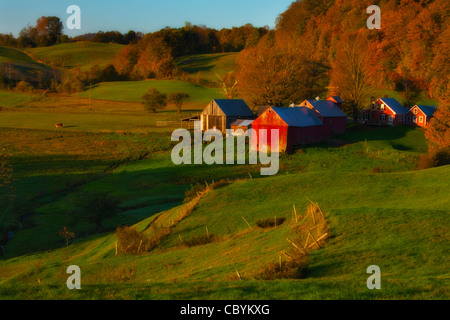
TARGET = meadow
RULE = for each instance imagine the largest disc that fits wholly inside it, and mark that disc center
(83, 55)
(379, 208)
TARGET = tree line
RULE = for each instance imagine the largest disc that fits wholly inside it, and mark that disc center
(323, 47)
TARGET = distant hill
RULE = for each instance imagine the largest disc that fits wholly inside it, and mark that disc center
(208, 65)
(17, 65)
(134, 90)
(83, 55)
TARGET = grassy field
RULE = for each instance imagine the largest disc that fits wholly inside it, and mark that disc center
(83, 55)
(134, 90)
(377, 219)
(380, 209)
(208, 66)
(21, 65)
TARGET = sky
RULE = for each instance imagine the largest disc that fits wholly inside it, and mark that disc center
(141, 15)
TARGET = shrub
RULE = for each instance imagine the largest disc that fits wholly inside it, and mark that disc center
(24, 86)
(380, 170)
(200, 240)
(270, 223)
(291, 269)
(434, 159)
(131, 241)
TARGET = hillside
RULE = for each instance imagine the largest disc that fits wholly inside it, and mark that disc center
(208, 66)
(134, 90)
(377, 219)
(83, 55)
(17, 65)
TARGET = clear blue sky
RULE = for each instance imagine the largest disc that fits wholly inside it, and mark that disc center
(142, 15)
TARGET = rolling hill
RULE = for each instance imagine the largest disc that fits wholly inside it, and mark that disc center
(208, 66)
(134, 90)
(375, 219)
(17, 65)
(83, 55)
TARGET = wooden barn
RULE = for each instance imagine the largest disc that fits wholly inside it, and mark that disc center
(328, 111)
(420, 116)
(297, 126)
(385, 111)
(221, 113)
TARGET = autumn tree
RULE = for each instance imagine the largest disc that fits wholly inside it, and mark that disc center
(350, 72)
(155, 59)
(438, 131)
(178, 98)
(274, 73)
(126, 59)
(153, 100)
(49, 30)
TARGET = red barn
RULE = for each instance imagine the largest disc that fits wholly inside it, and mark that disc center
(328, 111)
(296, 126)
(385, 111)
(420, 116)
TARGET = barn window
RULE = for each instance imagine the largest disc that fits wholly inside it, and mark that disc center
(421, 120)
(415, 111)
(382, 107)
(383, 117)
(415, 119)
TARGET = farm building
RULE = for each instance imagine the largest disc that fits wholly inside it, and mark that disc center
(385, 111)
(242, 124)
(328, 111)
(296, 126)
(221, 113)
(337, 100)
(420, 116)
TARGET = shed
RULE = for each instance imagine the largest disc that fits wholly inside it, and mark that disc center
(296, 126)
(333, 118)
(221, 113)
(242, 124)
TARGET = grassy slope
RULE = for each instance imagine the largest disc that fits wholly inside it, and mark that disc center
(208, 65)
(83, 55)
(134, 90)
(395, 220)
(22, 66)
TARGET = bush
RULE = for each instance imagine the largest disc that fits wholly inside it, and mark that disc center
(131, 241)
(291, 269)
(24, 86)
(380, 170)
(200, 240)
(270, 223)
(434, 159)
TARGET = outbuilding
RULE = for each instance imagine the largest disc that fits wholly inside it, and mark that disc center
(328, 111)
(297, 126)
(221, 113)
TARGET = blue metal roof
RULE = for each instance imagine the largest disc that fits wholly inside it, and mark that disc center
(429, 111)
(394, 105)
(234, 107)
(298, 116)
(327, 108)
